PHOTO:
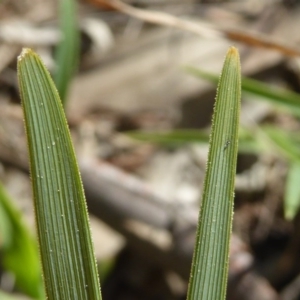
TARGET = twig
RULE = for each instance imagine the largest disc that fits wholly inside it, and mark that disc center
(161, 18)
(200, 28)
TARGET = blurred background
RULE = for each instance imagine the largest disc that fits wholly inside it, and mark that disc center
(137, 79)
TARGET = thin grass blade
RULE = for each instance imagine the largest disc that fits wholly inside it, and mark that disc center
(282, 142)
(66, 248)
(171, 138)
(292, 191)
(208, 279)
(286, 99)
(67, 51)
(247, 140)
(288, 145)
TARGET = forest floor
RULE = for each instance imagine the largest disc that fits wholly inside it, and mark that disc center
(143, 193)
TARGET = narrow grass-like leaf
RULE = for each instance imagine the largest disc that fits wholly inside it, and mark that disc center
(66, 248)
(68, 49)
(19, 252)
(292, 191)
(283, 142)
(287, 99)
(171, 138)
(178, 137)
(288, 146)
(208, 279)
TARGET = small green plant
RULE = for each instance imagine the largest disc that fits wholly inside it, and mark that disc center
(68, 261)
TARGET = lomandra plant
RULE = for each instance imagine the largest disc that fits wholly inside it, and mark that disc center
(68, 261)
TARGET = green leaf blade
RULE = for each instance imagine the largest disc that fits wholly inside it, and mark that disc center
(208, 280)
(19, 252)
(292, 191)
(284, 98)
(67, 52)
(62, 223)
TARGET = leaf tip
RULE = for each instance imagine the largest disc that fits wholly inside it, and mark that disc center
(233, 51)
(233, 57)
(24, 53)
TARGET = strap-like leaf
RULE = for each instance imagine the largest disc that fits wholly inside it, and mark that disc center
(19, 252)
(67, 51)
(284, 98)
(292, 191)
(248, 142)
(287, 144)
(208, 280)
(68, 261)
